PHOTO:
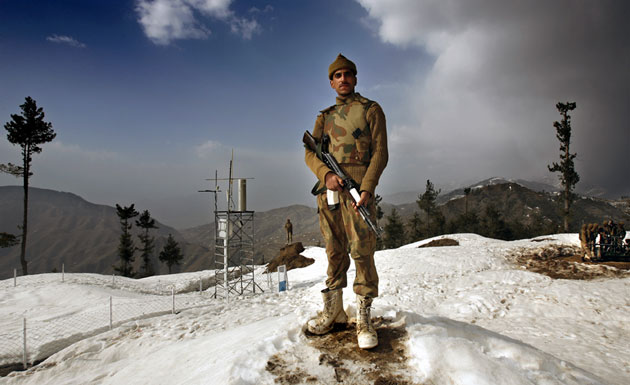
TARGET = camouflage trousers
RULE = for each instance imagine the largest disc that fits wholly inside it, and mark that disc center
(344, 230)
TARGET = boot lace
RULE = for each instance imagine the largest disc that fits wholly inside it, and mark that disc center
(365, 322)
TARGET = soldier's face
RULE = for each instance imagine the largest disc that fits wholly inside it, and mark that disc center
(343, 81)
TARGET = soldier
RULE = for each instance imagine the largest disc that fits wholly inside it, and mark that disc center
(618, 234)
(593, 231)
(584, 236)
(289, 228)
(358, 141)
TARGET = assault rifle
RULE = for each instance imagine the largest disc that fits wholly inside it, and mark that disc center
(348, 183)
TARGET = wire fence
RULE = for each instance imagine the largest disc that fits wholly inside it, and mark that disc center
(28, 341)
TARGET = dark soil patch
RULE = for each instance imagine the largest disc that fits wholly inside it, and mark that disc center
(565, 262)
(341, 357)
(6, 369)
(441, 242)
(278, 366)
(16, 367)
(542, 239)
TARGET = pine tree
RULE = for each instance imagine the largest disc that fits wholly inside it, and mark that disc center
(171, 254)
(427, 202)
(494, 226)
(394, 231)
(414, 226)
(146, 223)
(126, 247)
(29, 130)
(379, 215)
(465, 223)
(466, 194)
(379, 211)
(8, 240)
(568, 176)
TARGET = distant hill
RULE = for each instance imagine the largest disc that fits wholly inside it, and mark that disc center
(583, 189)
(269, 233)
(518, 203)
(533, 186)
(445, 196)
(65, 228)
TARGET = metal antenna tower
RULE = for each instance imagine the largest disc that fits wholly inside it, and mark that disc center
(233, 242)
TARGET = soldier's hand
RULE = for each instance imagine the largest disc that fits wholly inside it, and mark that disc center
(365, 197)
(333, 182)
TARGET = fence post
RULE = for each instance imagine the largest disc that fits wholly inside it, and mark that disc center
(24, 350)
(200, 286)
(113, 279)
(111, 313)
(14, 277)
(63, 272)
(173, 295)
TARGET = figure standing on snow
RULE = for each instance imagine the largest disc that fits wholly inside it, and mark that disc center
(289, 228)
(358, 141)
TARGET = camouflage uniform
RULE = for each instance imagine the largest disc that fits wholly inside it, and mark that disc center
(358, 141)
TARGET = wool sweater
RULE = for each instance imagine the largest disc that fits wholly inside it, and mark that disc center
(367, 176)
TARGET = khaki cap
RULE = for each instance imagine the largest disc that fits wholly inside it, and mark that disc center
(339, 63)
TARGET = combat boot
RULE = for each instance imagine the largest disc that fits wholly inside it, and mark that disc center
(333, 313)
(366, 335)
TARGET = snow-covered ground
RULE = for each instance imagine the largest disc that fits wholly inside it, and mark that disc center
(472, 317)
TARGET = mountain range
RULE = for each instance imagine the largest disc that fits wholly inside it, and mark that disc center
(66, 229)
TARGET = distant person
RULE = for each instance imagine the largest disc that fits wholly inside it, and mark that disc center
(358, 141)
(289, 228)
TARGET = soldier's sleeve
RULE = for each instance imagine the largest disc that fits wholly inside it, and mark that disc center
(312, 161)
(380, 155)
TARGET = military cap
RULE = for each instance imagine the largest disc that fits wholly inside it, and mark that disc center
(339, 63)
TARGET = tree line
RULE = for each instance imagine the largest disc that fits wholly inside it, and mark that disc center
(429, 221)
(170, 255)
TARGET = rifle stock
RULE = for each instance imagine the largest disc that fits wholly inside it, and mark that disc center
(309, 141)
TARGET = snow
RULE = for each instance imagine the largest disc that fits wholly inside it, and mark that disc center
(471, 314)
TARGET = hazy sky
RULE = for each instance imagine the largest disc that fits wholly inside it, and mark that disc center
(149, 98)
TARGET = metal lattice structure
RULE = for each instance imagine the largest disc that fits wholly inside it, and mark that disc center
(234, 254)
(233, 244)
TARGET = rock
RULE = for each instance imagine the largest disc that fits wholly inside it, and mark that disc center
(290, 256)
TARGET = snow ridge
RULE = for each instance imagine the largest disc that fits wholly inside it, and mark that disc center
(471, 316)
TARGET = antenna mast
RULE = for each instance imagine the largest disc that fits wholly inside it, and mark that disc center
(233, 242)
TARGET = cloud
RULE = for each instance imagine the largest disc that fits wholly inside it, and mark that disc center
(204, 150)
(245, 28)
(58, 147)
(486, 106)
(268, 8)
(62, 39)
(166, 20)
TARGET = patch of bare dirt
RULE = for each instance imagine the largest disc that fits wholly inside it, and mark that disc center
(341, 361)
(542, 239)
(441, 242)
(278, 367)
(565, 262)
